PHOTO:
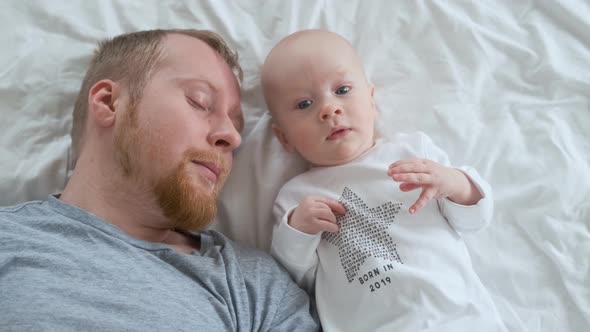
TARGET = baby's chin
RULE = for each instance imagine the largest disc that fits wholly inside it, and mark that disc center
(341, 158)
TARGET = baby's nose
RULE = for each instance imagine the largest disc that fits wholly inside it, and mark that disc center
(329, 110)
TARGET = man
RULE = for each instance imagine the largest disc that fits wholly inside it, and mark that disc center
(123, 247)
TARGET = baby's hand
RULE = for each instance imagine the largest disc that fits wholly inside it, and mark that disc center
(436, 181)
(316, 214)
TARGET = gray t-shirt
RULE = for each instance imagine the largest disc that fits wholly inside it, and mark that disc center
(64, 269)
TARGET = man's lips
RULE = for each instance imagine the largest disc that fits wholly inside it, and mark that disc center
(211, 168)
(338, 132)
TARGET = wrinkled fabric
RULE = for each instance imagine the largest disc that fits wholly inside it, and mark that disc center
(503, 86)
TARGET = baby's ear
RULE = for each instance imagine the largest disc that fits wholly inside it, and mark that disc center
(281, 137)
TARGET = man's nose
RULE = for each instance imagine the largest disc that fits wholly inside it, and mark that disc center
(329, 110)
(225, 136)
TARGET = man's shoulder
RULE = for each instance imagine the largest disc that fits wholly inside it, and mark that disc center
(11, 209)
(20, 224)
(21, 212)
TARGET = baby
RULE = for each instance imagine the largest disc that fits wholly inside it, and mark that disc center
(379, 256)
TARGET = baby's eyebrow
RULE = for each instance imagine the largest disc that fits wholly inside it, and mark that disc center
(341, 72)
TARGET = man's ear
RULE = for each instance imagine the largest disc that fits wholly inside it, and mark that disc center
(281, 137)
(103, 99)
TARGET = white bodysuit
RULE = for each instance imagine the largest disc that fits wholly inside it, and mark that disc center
(387, 270)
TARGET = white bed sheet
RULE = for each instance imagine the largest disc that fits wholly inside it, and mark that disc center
(503, 86)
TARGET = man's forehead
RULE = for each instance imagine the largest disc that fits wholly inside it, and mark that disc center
(181, 43)
(186, 54)
(192, 57)
(192, 62)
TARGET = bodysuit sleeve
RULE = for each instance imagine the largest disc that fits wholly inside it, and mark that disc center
(295, 250)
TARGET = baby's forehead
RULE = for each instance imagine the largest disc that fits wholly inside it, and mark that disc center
(308, 53)
(317, 42)
(314, 36)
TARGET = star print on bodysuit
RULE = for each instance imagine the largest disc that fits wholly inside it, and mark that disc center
(363, 233)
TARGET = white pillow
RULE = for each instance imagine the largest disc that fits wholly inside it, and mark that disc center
(261, 167)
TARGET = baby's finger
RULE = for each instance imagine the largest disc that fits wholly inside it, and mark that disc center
(408, 187)
(413, 178)
(414, 167)
(425, 196)
(333, 204)
(325, 214)
(327, 226)
(403, 161)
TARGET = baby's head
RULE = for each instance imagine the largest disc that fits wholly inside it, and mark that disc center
(320, 100)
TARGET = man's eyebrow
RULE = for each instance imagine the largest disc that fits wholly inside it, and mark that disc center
(198, 81)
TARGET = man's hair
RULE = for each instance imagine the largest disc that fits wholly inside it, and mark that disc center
(132, 59)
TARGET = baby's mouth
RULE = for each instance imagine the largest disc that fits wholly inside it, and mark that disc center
(338, 132)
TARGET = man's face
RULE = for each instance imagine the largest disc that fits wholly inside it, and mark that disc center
(178, 140)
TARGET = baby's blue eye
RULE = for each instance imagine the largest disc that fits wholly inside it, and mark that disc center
(343, 90)
(304, 104)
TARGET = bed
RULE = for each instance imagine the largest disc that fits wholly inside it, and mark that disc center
(503, 86)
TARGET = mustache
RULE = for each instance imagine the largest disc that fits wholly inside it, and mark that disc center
(209, 157)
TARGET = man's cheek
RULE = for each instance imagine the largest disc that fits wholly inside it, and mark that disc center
(230, 161)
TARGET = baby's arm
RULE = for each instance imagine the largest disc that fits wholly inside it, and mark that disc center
(437, 181)
(466, 218)
(297, 235)
(465, 199)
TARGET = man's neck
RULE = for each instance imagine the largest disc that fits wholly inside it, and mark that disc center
(119, 200)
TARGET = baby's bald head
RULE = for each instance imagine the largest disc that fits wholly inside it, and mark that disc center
(304, 52)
